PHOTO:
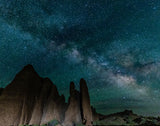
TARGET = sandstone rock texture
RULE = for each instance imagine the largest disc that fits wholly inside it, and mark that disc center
(87, 118)
(73, 113)
(30, 99)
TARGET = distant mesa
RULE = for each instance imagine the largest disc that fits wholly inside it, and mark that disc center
(32, 100)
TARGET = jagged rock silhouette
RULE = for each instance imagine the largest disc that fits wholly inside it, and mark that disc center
(30, 99)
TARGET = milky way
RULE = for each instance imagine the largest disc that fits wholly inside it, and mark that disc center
(114, 45)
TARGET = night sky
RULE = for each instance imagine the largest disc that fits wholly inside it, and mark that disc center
(113, 44)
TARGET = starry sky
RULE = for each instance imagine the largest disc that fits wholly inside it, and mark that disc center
(113, 44)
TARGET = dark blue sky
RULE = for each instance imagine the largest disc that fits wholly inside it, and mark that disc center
(113, 44)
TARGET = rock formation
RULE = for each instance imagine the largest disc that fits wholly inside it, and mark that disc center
(30, 99)
(87, 118)
(73, 113)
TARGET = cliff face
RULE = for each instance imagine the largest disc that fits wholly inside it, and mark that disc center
(85, 104)
(30, 99)
(73, 113)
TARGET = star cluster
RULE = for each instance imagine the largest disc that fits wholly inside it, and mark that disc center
(113, 45)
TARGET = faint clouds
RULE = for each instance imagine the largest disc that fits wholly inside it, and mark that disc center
(129, 83)
(74, 56)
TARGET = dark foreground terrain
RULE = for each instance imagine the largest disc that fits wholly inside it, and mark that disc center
(32, 101)
(122, 118)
